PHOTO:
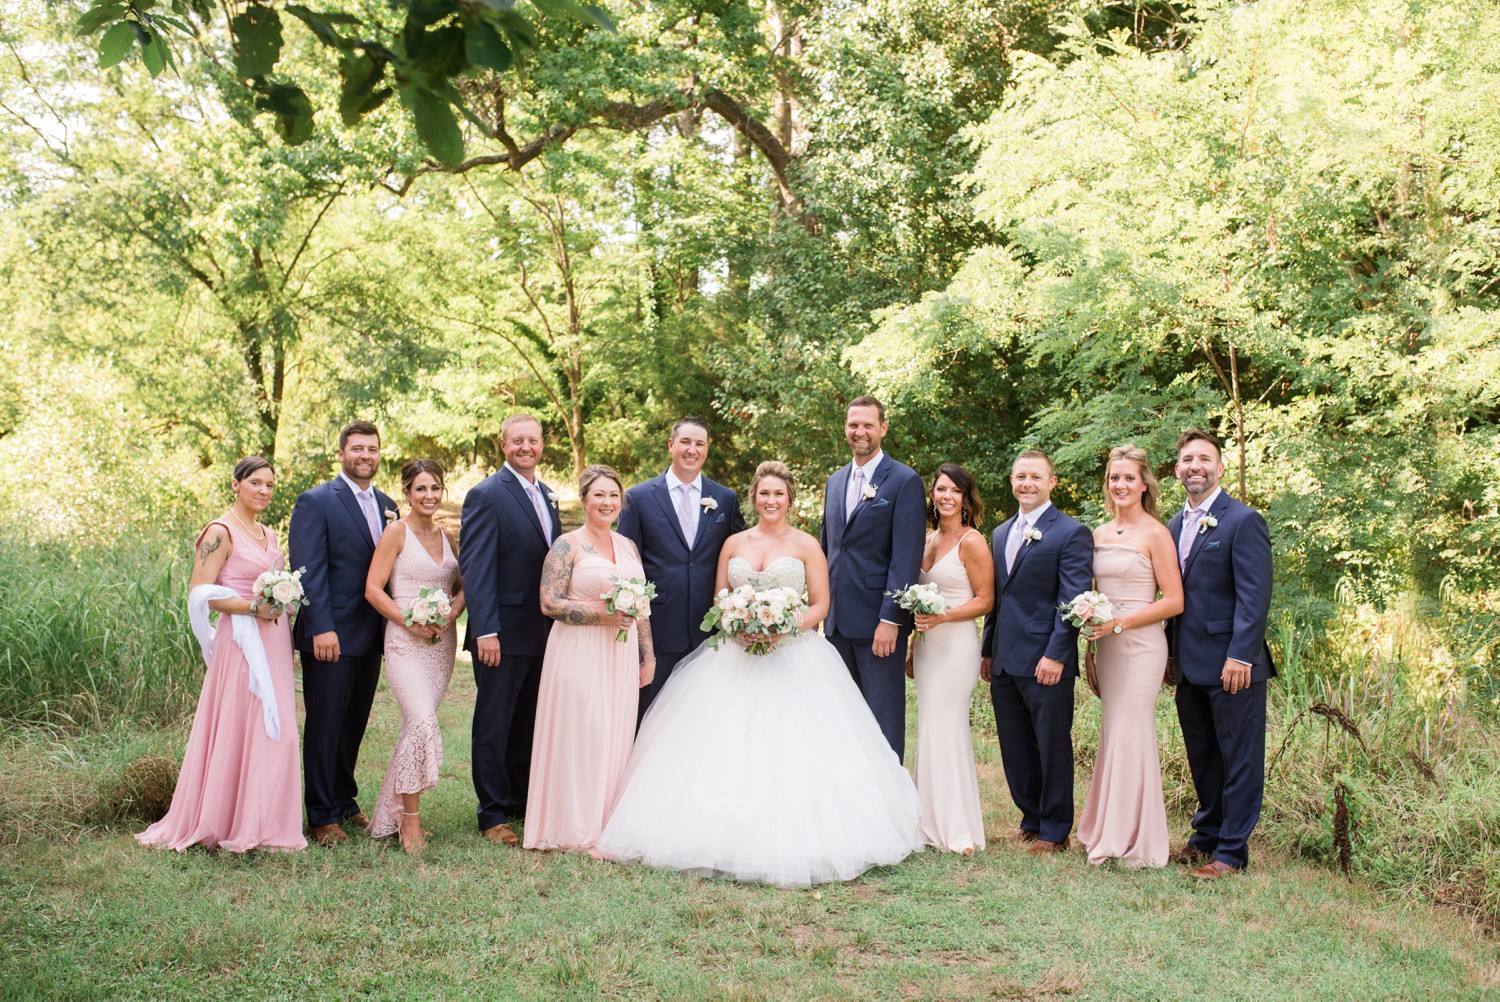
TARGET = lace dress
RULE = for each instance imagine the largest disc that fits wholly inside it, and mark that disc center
(418, 674)
(764, 768)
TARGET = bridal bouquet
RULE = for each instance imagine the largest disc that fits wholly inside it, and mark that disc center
(758, 611)
(924, 598)
(282, 589)
(632, 596)
(1087, 607)
(431, 608)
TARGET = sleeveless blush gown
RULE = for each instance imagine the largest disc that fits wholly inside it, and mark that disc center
(237, 789)
(585, 714)
(418, 674)
(764, 768)
(1124, 816)
(946, 669)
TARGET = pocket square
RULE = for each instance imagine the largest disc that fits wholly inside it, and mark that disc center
(719, 519)
(1212, 545)
(880, 502)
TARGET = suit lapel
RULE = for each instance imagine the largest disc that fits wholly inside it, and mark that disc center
(1042, 525)
(705, 515)
(876, 476)
(838, 520)
(553, 515)
(513, 482)
(1217, 511)
(352, 506)
(664, 498)
(1005, 529)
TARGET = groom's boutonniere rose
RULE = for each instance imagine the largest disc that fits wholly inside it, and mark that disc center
(1208, 522)
(709, 504)
(1031, 535)
(390, 516)
(868, 493)
(552, 500)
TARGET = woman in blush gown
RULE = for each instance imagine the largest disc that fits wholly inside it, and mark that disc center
(1135, 560)
(414, 553)
(240, 785)
(943, 658)
(765, 768)
(590, 689)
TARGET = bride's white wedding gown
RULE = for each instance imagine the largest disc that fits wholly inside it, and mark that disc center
(764, 768)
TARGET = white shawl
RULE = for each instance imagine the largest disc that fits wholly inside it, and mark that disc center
(247, 636)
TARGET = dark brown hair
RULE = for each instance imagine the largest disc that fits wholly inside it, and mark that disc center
(249, 465)
(867, 401)
(973, 509)
(357, 428)
(1194, 435)
(692, 419)
(774, 468)
(415, 468)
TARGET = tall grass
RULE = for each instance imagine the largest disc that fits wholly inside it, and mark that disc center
(93, 634)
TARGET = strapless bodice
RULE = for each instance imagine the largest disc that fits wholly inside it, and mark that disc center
(1124, 575)
(783, 572)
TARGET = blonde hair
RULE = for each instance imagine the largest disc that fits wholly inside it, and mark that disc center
(1136, 455)
(593, 474)
(774, 468)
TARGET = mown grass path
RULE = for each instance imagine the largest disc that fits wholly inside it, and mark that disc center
(101, 918)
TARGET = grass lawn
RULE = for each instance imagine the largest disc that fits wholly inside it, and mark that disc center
(94, 916)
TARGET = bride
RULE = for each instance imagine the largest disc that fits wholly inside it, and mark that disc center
(765, 768)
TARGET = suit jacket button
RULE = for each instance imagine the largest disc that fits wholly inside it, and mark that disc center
(842, 547)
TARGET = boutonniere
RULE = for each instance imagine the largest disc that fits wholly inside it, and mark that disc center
(709, 504)
(551, 499)
(1031, 535)
(390, 516)
(868, 493)
(1207, 522)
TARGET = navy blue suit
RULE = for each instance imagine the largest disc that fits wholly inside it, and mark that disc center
(1226, 585)
(500, 555)
(1035, 721)
(330, 537)
(684, 574)
(875, 549)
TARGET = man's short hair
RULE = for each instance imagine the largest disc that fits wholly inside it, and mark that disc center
(1038, 454)
(516, 419)
(357, 428)
(867, 401)
(1194, 435)
(692, 419)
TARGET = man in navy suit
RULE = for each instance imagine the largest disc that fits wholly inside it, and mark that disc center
(678, 522)
(874, 527)
(339, 635)
(510, 520)
(1029, 652)
(1220, 657)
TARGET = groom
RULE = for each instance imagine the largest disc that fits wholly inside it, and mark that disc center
(510, 520)
(679, 522)
(1029, 652)
(874, 526)
(335, 527)
(1219, 655)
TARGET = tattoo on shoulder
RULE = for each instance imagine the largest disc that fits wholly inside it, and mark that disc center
(210, 545)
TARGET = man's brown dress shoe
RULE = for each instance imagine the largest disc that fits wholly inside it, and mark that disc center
(1213, 870)
(502, 834)
(327, 835)
(359, 821)
(1041, 846)
(1020, 836)
(1188, 856)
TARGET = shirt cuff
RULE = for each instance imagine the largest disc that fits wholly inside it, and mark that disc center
(892, 624)
(1239, 662)
(487, 636)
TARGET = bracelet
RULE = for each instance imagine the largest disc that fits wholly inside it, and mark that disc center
(253, 607)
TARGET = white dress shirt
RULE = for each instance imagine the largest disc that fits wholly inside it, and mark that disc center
(695, 501)
(369, 504)
(1024, 521)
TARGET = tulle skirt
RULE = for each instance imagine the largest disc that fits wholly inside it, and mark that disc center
(765, 769)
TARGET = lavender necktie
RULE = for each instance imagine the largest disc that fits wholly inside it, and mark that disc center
(1189, 530)
(685, 512)
(1013, 544)
(856, 491)
(367, 503)
(535, 493)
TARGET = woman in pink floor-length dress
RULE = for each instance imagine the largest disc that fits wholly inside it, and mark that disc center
(943, 658)
(239, 788)
(1124, 816)
(586, 708)
(413, 554)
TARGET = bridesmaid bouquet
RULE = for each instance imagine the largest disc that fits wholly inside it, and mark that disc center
(924, 598)
(632, 596)
(431, 608)
(1087, 607)
(283, 589)
(746, 610)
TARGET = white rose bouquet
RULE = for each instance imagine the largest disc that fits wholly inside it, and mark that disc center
(1087, 607)
(632, 596)
(432, 607)
(926, 599)
(281, 589)
(746, 610)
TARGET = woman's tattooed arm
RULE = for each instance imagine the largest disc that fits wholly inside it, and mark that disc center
(557, 571)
